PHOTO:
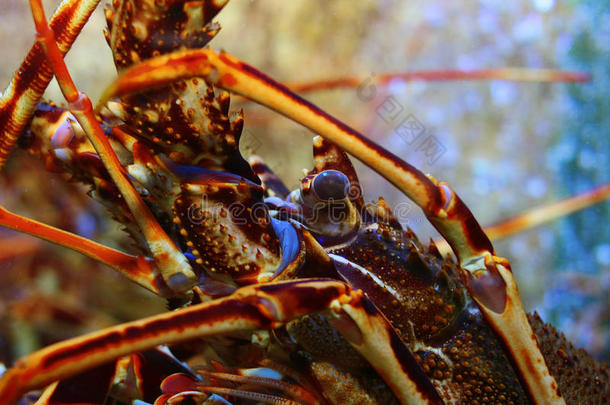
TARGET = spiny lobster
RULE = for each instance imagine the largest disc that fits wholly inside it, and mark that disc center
(309, 296)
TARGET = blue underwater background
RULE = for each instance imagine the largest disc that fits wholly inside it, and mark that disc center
(505, 147)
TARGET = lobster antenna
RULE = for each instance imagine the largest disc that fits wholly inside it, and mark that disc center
(538, 216)
(547, 213)
(508, 74)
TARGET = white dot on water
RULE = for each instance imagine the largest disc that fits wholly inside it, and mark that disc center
(85, 224)
(487, 20)
(536, 187)
(528, 28)
(546, 239)
(435, 15)
(602, 254)
(473, 100)
(586, 159)
(503, 93)
(519, 246)
(397, 86)
(544, 5)
(467, 62)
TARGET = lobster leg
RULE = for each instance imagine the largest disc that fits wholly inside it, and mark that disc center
(487, 277)
(173, 265)
(18, 101)
(138, 269)
(264, 306)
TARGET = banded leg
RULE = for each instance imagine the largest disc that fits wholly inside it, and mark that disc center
(487, 277)
(139, 269)
(18, 101)
(508, 74)
(172, 264)
(264, 306)
(138, 375)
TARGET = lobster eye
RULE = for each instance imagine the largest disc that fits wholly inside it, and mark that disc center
(331, 185)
